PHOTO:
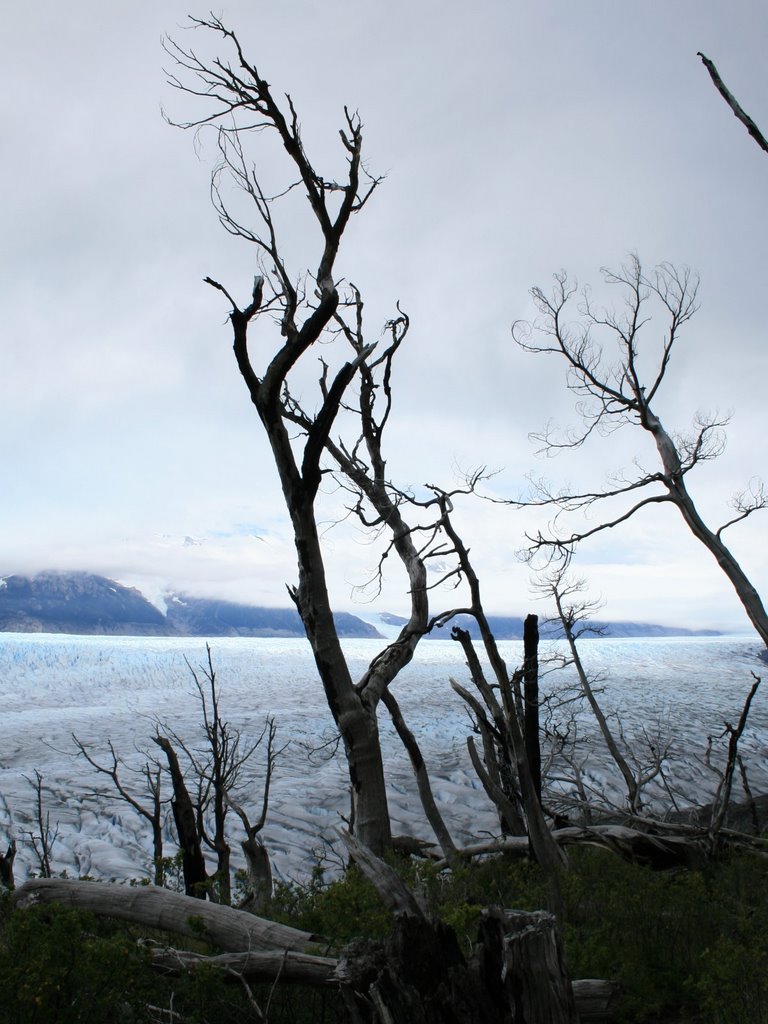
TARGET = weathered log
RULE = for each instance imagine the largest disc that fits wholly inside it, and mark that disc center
(595, 999)
(660, 844)
(230, 930)
(268, 965)
(419, 977)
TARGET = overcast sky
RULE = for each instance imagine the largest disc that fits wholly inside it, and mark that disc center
(517, 138)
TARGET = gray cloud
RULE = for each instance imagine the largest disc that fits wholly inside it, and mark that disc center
(517, 139)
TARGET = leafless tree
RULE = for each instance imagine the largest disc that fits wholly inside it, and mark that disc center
(504, 769)
(151, 773)
(43, 837)
(574, 613)
(602, 354)
(722, 799)
(211, 781)
(316, 309)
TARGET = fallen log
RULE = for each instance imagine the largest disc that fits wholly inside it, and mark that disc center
(596, 999)
(659, 844)
(269, 965)
(230, 930)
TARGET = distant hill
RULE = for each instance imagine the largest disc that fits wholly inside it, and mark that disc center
(84, 603)
(76, 602)
(199, 616)
(511, 628)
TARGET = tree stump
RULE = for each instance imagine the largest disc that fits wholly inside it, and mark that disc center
(537, 987)
(515, 976)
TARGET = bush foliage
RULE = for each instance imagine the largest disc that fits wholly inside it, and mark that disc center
(685, 945)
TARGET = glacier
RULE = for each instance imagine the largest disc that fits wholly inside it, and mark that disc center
(675, 692)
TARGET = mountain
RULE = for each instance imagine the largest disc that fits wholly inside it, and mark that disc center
(76, 602)
(511, 628)
(199, 616)
(80, 602)
(84, 603)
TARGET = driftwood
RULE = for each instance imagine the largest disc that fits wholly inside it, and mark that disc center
(659, 844)
(269, 965)
(595, 999)
(230, 930)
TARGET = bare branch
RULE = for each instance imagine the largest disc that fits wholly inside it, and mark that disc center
(730, 99)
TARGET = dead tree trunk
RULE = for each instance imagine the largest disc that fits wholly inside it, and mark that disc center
(185, 817)
(535, 983)
(421, 976)
(531, 698)
(6, 867)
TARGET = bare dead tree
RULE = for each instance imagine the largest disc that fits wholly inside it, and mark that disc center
(502, 727)
(572, 612)
(43, 838)
(601, 351)
(151, 773)
(259, 869)
(733, 103)
(722, 798)
(216, 770)
(185, 818)
(314, 310)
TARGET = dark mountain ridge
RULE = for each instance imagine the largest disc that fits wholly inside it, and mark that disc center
(510, 627)
(85, 603)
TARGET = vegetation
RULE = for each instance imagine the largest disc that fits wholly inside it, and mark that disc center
(684, 945)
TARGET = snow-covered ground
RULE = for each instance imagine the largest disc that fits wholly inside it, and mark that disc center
(674, 692)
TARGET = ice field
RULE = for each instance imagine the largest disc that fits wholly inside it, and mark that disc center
(673, 692)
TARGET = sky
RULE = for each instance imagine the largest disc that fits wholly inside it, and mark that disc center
(516, 139)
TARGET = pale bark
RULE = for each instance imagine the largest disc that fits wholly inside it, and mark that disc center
(674, 481)
(285, 966)
(534, 976)
(434, 817)
(230, 930)
(548, 854)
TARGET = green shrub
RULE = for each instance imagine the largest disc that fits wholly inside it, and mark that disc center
(59, 966)
(685, 945)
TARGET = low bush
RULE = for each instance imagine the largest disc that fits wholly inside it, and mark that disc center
(685, 945)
